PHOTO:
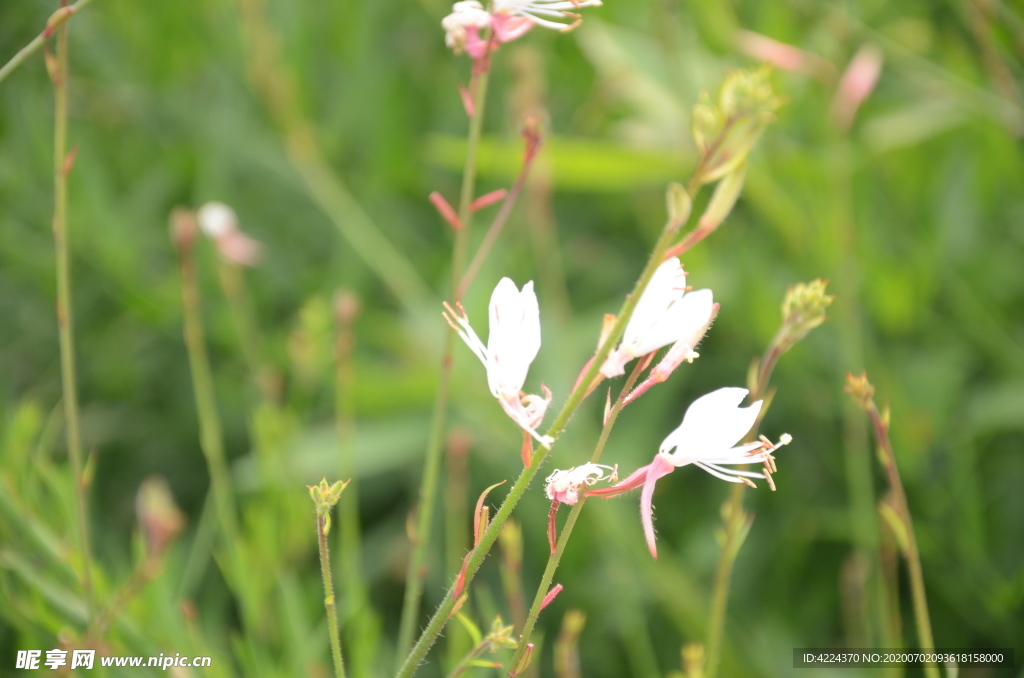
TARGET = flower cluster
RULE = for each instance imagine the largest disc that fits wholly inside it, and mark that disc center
(665, 314)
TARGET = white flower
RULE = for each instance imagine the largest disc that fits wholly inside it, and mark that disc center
(707, 438)
(535, 9)
(468, 14)
(512, 344)
(565, 485)
(665, 314)
(220, 223)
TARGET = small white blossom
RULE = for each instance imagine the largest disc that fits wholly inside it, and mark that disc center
(468, 14)
(512, 344)
(220, 223)
(665, 314)
(707, 438)
(565, 485)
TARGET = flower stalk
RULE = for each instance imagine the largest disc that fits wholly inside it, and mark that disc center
(65, 317)
(803, 309)
(897, 510)
(325, 496)
(435, 446)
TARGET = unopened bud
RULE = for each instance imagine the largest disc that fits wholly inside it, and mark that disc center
(326, 496)
(679, 204)
(183, 229)
(724, 198)
(500, 636)
(523, 662)
(803, 309)
(860, 389)
(346, 306)
(159, 517)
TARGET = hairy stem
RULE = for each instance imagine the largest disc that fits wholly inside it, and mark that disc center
(555, 558)
(332, 612)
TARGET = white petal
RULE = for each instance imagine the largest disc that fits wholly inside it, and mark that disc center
(217, 219)
(666, 286)
(711, 426)
(684, 319)
(514, 338)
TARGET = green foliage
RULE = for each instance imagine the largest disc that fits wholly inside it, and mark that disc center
(913, 215)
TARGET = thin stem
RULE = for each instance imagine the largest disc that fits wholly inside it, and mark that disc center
(477, 555)
(332, 613)
(37, 42)
(65, 319)
(463, 664)
(435, 446)
(497, 225)
(734, 526)
(211, 439)
(555, 558)
(232, 283)
(924, 626)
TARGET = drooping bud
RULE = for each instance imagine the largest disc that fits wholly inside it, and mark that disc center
(523, 662)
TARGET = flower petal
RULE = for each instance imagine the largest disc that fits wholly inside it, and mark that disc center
(710, 427)
(514, 336)
(657, 469)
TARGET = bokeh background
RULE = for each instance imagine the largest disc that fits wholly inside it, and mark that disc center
(914, 213)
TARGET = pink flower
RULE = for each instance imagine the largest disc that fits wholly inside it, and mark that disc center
(706, 438)
(512, 344)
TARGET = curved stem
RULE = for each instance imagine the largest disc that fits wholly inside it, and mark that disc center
(435, 445)
(65, 321)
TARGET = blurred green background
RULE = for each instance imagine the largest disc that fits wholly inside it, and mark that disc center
(915, 214)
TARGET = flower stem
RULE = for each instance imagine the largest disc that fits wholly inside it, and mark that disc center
(435, 444)
(332, 613)
(555, 558)
(37, 42)
(734, 526)
(924, 626)
(65, 319)
(477, 555)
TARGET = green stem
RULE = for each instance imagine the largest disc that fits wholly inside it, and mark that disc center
(924, 626)
(463, 664)
(332, 613)
(65, 320)
(477, 555)
(211, 439)
(735, 521)
(555, 558)
(37, 42)
(435, 444)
